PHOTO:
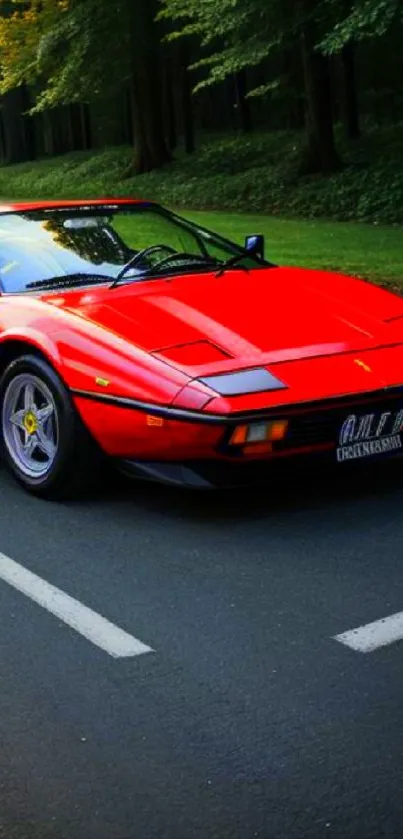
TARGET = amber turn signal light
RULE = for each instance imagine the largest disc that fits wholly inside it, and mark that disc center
(259, 432)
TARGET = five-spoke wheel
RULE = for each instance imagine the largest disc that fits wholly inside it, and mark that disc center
(44, 442)
(29, 424)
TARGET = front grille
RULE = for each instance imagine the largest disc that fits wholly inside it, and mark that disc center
(320, 427)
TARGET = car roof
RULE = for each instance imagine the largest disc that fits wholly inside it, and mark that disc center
(20, 206)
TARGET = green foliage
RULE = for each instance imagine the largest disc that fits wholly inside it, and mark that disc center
(369, 251)
(85, 54)
(367, 19)
(237, 34)
(234, 33)
(256, 176)
(253, 174)
(70, 50)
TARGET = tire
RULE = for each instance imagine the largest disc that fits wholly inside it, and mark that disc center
(47, 449)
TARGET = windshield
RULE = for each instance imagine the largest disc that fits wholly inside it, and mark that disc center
(99, 241)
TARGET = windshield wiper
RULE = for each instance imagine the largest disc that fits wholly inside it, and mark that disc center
(252, 251)
(182, 260)
(232, 262)
(79, 278)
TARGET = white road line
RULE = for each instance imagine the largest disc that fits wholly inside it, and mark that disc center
(373, 635)
(91, 625)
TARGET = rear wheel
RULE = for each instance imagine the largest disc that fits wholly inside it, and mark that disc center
(45, 444)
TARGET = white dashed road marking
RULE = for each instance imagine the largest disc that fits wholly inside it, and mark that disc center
(371, 636)
(91, 625)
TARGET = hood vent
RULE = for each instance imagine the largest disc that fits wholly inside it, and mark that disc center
(199, 352)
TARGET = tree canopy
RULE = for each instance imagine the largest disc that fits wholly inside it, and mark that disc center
(149, 54)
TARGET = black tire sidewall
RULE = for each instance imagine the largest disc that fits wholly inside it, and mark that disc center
(67, 418)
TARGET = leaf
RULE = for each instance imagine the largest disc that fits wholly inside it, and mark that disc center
(367, 19)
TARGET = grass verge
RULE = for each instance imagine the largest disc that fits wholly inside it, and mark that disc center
(238, 185)
(241, 173)
(363, 250)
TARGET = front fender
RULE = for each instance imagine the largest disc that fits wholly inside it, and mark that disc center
(34, 338)
(94, 360)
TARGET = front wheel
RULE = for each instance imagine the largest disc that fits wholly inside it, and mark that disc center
(45, 444)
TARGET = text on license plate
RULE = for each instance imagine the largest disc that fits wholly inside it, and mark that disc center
(366, 435)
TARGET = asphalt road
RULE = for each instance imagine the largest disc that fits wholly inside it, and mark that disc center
(248, 719)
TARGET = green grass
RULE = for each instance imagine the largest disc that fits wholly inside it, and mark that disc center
(351, 222)
(254, 173)
(363, 250)
(372, 252)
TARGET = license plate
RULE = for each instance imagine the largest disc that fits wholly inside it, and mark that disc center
(369, 435)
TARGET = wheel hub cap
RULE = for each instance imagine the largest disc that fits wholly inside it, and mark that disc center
(30, 425)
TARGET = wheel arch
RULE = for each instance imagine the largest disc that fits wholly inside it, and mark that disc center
(73, 472)
(14, 344)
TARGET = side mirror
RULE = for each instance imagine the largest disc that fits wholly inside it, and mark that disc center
(255, 245)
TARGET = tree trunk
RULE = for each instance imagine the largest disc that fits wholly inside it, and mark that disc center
(28, 124)
(58, 120)
(242, 102)
(350, 92)
(128, 118)
(86, 126)
(187, 103)
(78, 132)
(3, 150)
(47, 134)
(150, 148)
(13, 105)
(321, 154)
(170, 106)
(69, 117)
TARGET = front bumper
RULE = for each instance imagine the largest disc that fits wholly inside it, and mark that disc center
(192, 449)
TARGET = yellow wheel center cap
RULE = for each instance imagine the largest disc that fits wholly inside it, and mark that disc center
(30, 423)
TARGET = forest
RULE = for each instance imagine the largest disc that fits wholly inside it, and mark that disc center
(290, 107)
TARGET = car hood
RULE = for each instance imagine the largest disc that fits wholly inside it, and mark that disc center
(206, 324)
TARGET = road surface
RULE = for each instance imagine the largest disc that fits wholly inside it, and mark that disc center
(171, 666)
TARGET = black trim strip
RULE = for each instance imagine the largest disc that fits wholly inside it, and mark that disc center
(150, 407)
(218, 419)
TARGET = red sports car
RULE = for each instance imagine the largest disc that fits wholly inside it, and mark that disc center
(130, 334)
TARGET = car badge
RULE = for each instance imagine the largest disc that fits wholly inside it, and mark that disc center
(363, 365)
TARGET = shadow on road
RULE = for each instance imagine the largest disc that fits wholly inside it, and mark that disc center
(290, 492)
